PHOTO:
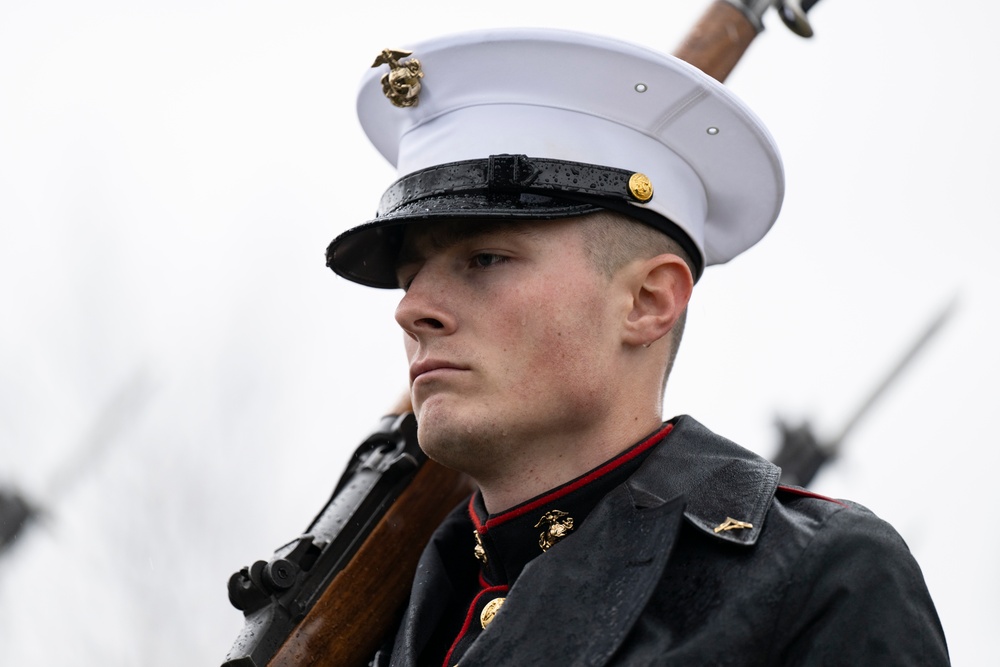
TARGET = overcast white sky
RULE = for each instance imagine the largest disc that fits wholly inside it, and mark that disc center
(181, 378)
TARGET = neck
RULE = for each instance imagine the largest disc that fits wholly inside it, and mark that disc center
(540, 468)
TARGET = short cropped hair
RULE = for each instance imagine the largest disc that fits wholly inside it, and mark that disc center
(613, 239)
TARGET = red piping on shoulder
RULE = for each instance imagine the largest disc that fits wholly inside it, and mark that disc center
(795, 490)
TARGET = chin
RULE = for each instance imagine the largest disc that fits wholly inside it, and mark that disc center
(439, 435)
(456, 443)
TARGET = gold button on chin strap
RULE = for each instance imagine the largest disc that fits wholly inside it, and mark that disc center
(640, 187)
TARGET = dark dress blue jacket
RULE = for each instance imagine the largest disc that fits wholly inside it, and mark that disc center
(646, 579)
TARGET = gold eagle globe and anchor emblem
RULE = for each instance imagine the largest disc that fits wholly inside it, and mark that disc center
(479, 550)
(401, 84)
(557, 526)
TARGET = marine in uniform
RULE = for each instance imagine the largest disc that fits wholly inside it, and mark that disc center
(559, 194)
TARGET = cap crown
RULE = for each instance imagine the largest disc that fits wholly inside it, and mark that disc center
(560, 95)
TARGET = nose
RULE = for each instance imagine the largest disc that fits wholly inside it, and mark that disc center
(425, 308)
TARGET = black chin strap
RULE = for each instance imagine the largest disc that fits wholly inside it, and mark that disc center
(509, 174)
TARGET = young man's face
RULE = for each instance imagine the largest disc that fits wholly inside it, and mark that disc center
(511, 333)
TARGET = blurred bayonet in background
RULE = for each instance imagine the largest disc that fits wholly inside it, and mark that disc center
(18, 510)
(802, 454)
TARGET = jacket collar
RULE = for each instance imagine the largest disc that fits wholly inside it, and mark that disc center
(510, 539)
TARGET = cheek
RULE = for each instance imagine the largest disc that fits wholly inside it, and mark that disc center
(563, 334)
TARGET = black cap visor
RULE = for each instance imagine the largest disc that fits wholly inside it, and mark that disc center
(502, 187)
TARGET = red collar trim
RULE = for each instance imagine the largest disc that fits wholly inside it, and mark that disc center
(558, 493)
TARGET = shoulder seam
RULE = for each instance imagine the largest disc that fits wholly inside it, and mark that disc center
(799, 491)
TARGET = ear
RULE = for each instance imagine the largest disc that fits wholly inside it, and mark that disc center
(660, 290)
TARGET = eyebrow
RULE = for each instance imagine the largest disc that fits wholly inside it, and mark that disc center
(418, 241)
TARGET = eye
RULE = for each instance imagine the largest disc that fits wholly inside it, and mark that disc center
(484, 260)
(405, 279)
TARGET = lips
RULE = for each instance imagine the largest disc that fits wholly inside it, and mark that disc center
(430, 365)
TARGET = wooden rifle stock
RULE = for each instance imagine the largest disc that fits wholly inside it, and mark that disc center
(718, 40)
(362, 603)
(331, 596)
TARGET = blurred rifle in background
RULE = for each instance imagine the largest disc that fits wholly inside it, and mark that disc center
(18, 510)
(802, 454)
(15, 513)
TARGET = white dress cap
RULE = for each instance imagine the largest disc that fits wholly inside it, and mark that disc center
(556, 95)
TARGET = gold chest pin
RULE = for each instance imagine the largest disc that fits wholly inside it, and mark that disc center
(557, 526)
(401, 84)
(732, 524)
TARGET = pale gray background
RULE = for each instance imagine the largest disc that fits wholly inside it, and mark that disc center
(176, 359)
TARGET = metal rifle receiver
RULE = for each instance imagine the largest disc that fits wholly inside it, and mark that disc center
(793, 14)
(275, 595)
